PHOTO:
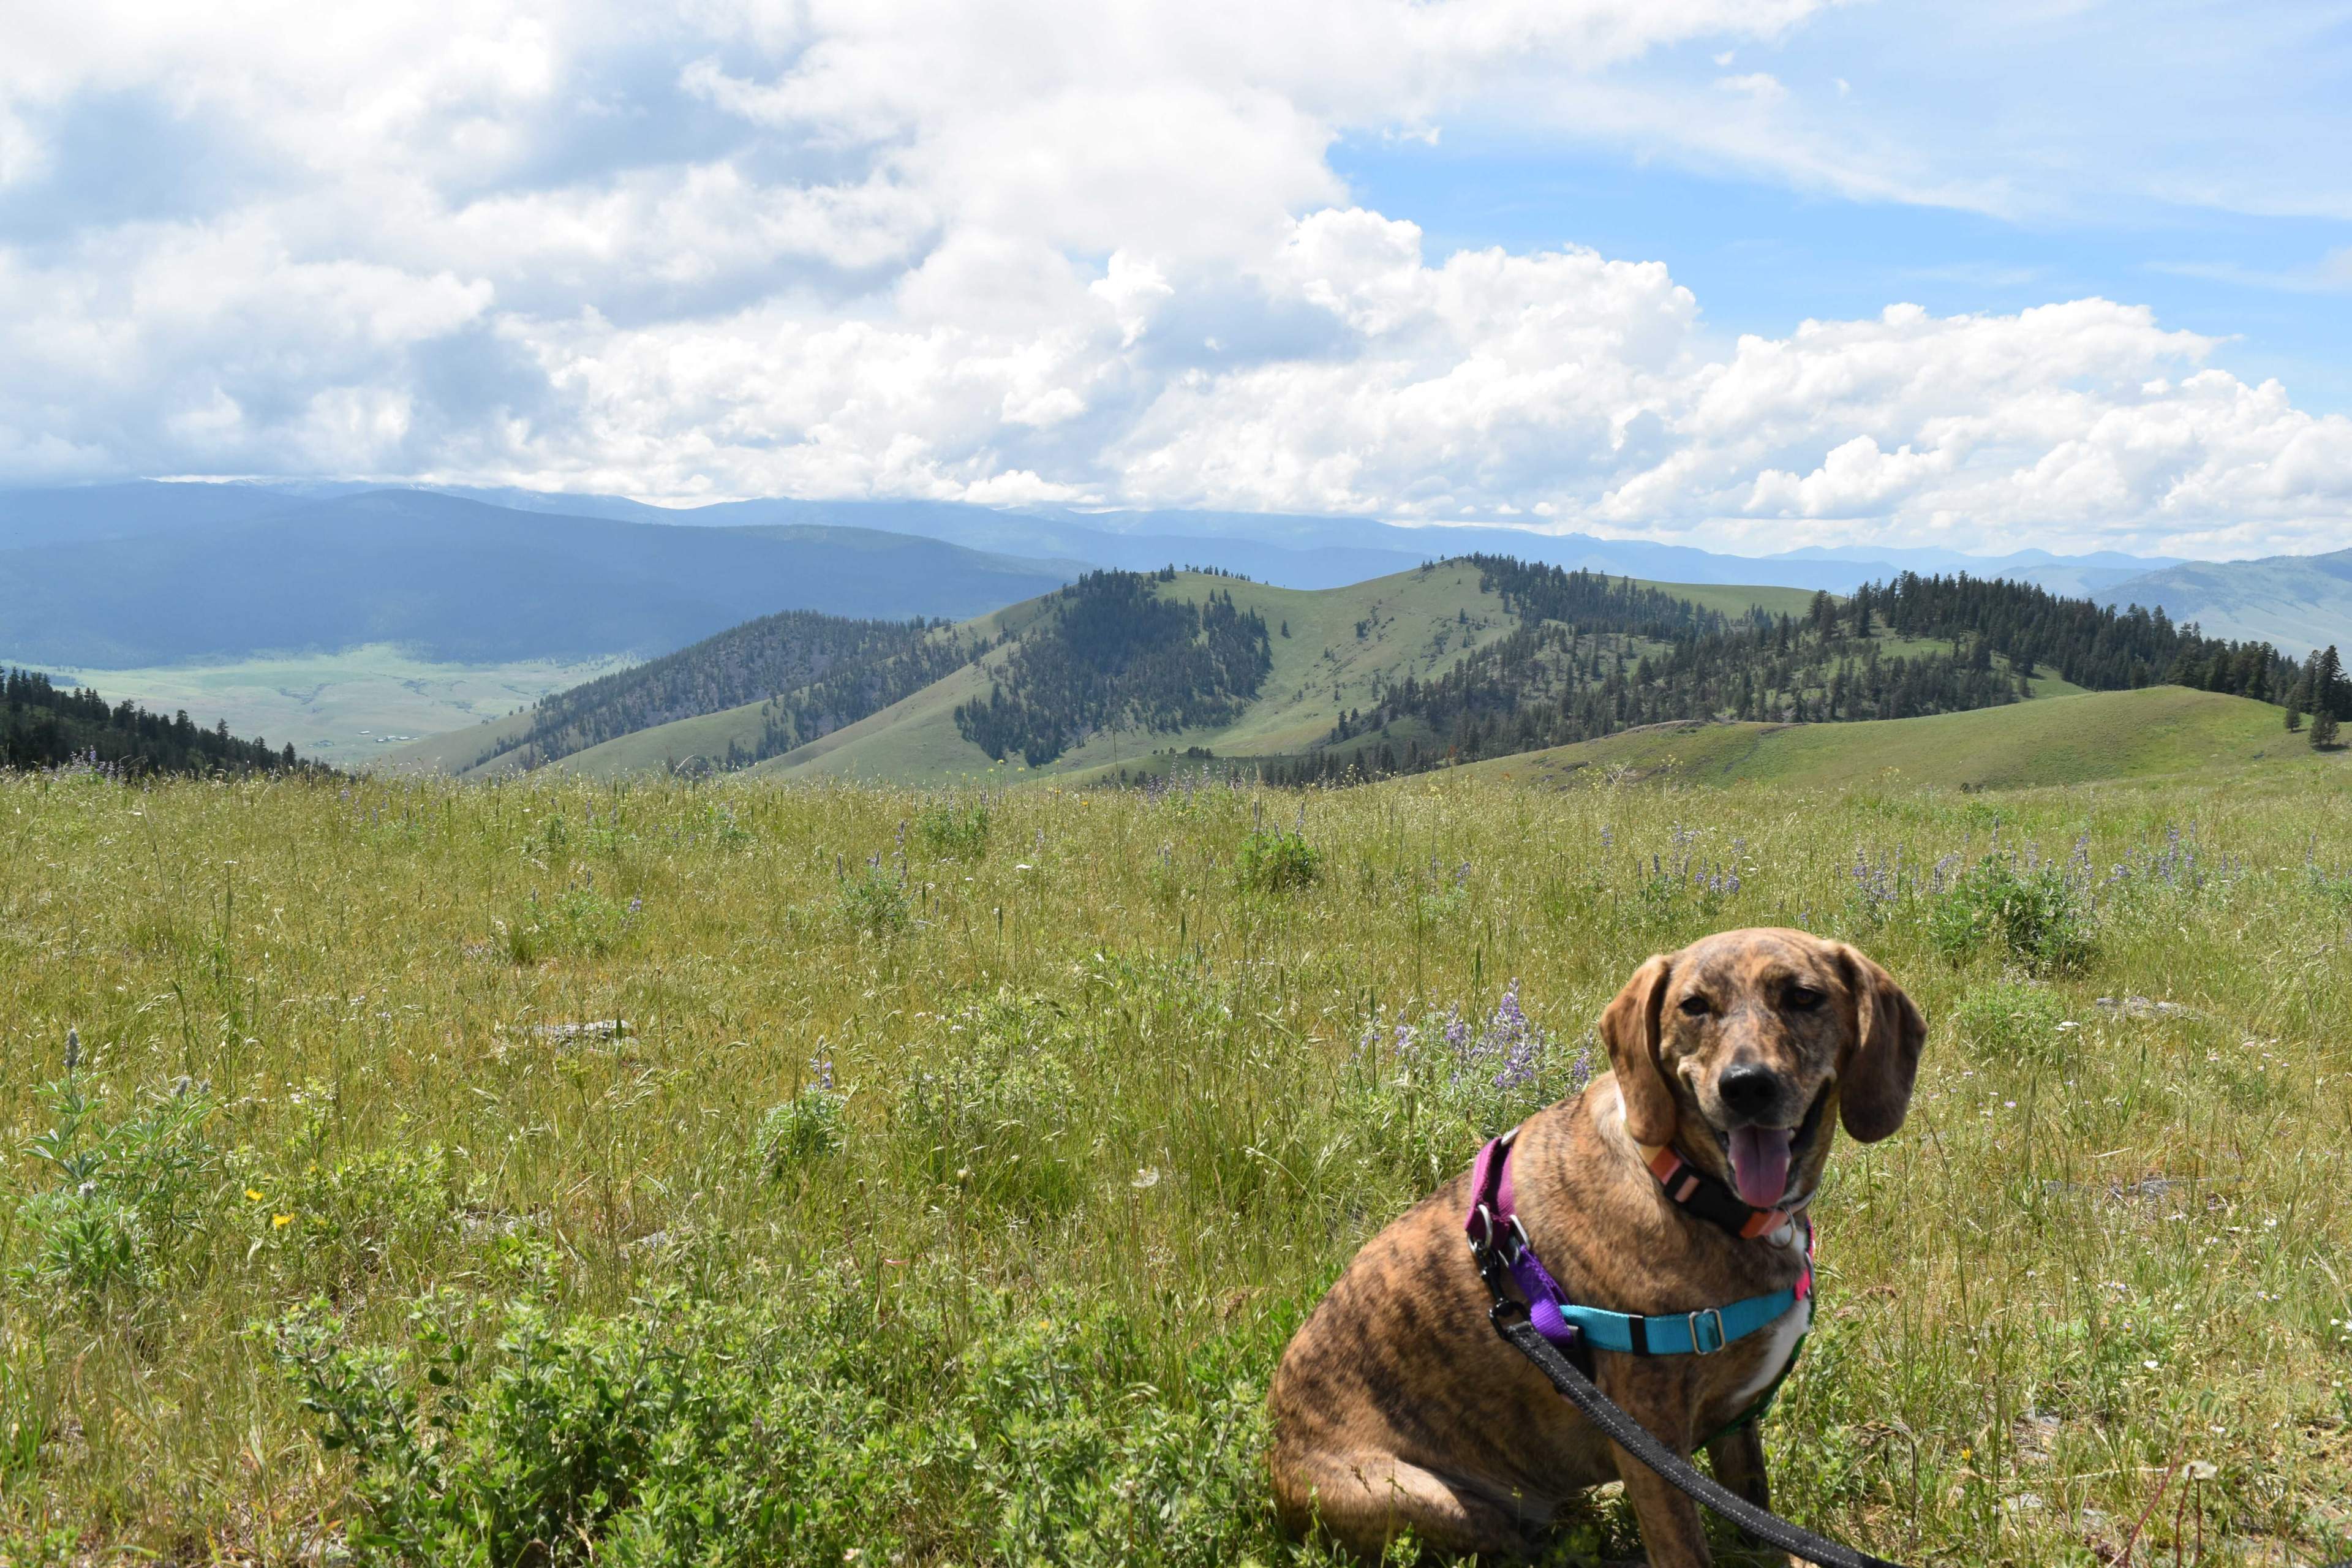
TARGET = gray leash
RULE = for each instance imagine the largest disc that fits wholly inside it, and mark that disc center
(1676, 1471)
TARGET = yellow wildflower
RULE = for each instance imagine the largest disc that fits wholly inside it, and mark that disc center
(253, 1196)
(281, 1221)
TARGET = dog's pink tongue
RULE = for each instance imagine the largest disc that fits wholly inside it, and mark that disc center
(1760, 1164)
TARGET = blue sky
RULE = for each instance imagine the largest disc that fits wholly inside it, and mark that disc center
(1745, 273)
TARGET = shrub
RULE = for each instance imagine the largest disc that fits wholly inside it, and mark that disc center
(579, 921)
(125, 1191)
(1442, 1087)
(988, 1428)
(2009, 1021)
(334, 1221)
(2034, 912)
(86, 1242)
(875, 903)
(1273, 861)
(807, 1128)
(995, 1118)
(956, 830)
(590, 922)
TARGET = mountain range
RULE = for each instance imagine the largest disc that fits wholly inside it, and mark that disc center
(2301, 603)
(150, 574)
(461, 582)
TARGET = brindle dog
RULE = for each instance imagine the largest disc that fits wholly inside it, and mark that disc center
(1398, 1406)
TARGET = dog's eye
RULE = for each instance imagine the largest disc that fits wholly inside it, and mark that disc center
(1803, 998)
(1696, 1008)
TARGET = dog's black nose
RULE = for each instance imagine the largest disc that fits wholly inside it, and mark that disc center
(1748, 1089)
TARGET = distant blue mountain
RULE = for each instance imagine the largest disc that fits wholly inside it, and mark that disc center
(459, 581)
(1314, 552)
(95, 569)
(85, 513)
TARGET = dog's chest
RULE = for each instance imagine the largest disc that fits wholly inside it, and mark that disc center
(1779, 1342)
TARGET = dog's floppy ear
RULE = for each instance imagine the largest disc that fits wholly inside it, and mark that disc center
(1875, 1085)
(1629, 1028)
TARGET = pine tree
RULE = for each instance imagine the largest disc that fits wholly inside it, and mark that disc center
(2327, 683)
(2322, 730)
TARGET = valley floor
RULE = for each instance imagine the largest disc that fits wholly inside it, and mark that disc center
(737, 1174)
(343, 709)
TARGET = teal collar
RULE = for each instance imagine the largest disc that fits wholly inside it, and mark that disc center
(1684, 1333)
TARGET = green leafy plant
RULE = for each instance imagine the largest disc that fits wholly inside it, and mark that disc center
(993, 1115)
(1273, 861)
(811, 1126)
(2037, 915)
(953, 829)
(125, 1191)
(579, 920)
(875, 903)
(809, 1431)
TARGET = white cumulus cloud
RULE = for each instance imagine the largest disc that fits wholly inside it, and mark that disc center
(1027, 252)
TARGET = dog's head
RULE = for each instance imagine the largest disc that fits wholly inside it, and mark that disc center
(1749, 1041)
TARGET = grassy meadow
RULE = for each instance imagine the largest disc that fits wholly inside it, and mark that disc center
(2155, 732)
(563, 1172)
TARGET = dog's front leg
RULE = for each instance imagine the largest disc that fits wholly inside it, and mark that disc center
(1652, 1394)
(1737, 1459)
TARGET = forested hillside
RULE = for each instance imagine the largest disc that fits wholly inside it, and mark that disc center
(1112, 653)
(815, 672)
(43, 725)
(1481, 655)
(1591, 657)
(2302, 603)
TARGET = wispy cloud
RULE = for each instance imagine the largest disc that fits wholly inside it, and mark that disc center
(2332, 274)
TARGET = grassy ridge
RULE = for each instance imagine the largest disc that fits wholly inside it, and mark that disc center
(966, 1161)
(1411, 624)
(2158, 731)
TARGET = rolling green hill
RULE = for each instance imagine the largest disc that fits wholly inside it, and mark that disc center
(2156, 731)
(1412, 623)
(1119, 676)
(1333, 651)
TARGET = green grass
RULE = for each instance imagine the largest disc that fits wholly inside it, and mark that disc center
(2082, 739)
(959, 1175)
(345, 709)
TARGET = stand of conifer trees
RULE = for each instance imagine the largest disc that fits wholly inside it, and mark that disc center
(1597, 655)
(43, 725)
(1113, 653)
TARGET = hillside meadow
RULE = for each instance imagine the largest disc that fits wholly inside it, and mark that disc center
(557, 1172)
(2155, 732)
